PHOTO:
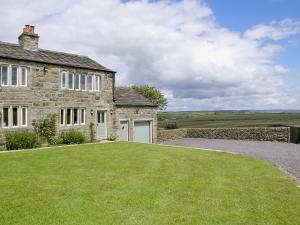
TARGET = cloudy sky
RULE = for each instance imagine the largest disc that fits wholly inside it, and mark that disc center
(203, 54)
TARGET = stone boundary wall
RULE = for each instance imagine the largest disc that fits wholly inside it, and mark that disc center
(281, 134)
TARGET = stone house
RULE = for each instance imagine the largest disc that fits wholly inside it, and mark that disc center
(35, 82)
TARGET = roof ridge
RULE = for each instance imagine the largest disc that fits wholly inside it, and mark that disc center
(15, 51)
(46, 50)
(60, 52)
(8, 43)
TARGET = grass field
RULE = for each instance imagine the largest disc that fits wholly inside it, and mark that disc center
(228, 119)
(129, 183)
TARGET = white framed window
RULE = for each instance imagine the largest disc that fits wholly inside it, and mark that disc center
(69, 117)
(97, 83)
(72, 116)
(15, 116)
(14, 76)
(62, 117)
(91, 83)
(83, 82)
(4, 75)
(24, 115)
(75, 116)
(71, 81)
(82, 117)
(5, 117)
(23, 76)
(77, 82)
(63, 80)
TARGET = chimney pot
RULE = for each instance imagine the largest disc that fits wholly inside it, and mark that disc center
(28, 29)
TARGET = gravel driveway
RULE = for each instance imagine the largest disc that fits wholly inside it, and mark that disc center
(283, 155)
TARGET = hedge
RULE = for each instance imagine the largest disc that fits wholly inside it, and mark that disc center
(72, 137)
(21, 140)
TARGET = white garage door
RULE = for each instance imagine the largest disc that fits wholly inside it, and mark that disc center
(142, 131)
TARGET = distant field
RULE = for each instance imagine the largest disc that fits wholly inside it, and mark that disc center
(228, 119)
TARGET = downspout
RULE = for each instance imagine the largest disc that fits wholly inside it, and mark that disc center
(113, 88)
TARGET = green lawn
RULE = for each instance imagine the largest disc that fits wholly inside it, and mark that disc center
(128, 183)
(228, 119)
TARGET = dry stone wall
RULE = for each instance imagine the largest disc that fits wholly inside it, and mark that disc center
(280, 134)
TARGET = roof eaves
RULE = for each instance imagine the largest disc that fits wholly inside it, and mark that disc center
(59, 64)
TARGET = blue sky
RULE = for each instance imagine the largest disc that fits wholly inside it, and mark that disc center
(239, 15)
(203, 54)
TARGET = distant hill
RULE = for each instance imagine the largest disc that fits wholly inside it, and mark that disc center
(249, 110)
(231, 118)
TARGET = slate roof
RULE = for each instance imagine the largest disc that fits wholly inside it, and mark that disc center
(15, 51)
(125, 96)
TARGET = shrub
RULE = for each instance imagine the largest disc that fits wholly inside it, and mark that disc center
(55, 140)
(46, 127)
(72, 137)
(170, 126)
(21, 140)
(2, 148)
(112, 137)
(92, 132)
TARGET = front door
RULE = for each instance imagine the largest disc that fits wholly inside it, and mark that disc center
(101, 125)
(123, 136)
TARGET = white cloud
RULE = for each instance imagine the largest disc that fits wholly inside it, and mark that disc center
(276, 30)
(178, 47)
(280, 69)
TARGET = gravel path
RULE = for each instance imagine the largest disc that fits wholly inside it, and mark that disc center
(283, 155)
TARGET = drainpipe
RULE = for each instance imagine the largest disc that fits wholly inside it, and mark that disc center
(113, 88)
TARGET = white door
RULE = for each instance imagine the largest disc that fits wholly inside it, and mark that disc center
(123, 134)
(142, 131)
(101, 125)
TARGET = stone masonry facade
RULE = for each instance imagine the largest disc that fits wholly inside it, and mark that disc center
(43, 96)
(44, 93)
(132, 114)
(280, 134)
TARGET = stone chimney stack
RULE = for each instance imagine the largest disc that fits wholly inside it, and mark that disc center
(28, 39)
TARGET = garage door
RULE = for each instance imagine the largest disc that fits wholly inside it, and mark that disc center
(142, 132)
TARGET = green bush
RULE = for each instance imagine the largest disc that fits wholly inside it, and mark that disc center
(46, 127)
(21, 140)
(171, 126)
(55, 140)
(2, 148)
(112, 137)
(72, 137)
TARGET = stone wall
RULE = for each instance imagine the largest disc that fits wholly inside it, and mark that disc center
(280, 134)
(43, 95)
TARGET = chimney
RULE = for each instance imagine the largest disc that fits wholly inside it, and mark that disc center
(28, 39)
